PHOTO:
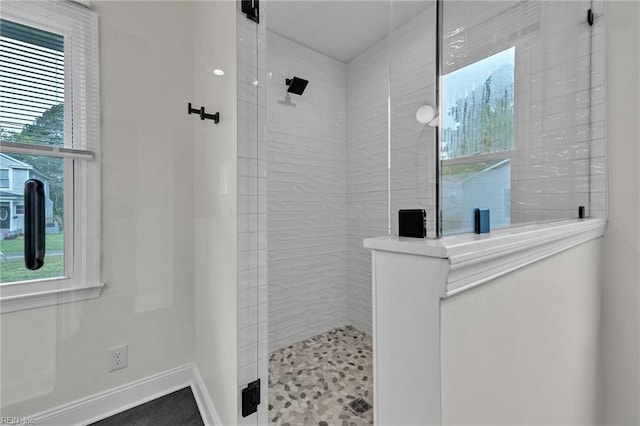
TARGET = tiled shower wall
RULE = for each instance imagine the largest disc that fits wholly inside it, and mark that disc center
(328, 180)
(307, 197)
(367, 171)
(408, 56)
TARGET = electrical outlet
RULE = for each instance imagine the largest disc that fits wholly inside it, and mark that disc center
(117, 358)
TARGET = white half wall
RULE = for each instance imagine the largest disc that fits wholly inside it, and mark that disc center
(523, 349)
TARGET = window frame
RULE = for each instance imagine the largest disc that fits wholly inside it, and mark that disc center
(508, 154)
(8, 179)
(81, 156)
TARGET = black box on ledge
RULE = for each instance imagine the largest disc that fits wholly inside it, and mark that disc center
(481, 221)
(412, 223)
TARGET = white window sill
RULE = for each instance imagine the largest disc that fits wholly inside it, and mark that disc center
(475, 259)
(21, 296)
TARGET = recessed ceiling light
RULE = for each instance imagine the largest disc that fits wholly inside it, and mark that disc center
(218, 72)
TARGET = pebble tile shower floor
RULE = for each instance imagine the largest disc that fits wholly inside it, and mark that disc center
(326, 380)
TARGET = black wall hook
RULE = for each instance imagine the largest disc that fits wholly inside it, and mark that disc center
(215, 117)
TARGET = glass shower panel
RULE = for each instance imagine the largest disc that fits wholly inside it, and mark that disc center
(252, 308)
(516, 111)
(412, 88)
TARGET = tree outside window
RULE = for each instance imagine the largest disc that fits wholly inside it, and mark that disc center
(477, 138)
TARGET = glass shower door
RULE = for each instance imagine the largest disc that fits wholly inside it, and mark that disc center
(251, 172)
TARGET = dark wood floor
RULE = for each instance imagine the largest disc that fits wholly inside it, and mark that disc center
(175, 409)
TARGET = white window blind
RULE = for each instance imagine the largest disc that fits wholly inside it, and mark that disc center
(31, 80)
(48, 52)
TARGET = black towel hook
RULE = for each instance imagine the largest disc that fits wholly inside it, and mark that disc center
(215, 117)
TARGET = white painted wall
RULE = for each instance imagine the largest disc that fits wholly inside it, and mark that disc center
(523, 349)
(307, 194)
(620, 379)
(169, 219)
(215, 226)
(55, 355)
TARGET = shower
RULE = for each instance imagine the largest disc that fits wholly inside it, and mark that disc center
(296, 85)
(360, 147)
(327, 174)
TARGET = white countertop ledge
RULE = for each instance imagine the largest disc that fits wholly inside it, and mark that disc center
(475, 259)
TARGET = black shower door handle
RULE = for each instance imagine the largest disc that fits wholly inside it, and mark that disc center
(34, 226)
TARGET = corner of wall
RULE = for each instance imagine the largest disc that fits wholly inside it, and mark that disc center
(215, 203)
(620, 368)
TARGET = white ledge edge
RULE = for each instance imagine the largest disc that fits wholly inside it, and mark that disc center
(48, 298)
(475, 259)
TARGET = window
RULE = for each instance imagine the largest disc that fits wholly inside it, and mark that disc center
(4, 178)
(49, 131)
(477, 141)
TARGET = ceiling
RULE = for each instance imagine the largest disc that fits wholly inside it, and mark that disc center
(339, 29)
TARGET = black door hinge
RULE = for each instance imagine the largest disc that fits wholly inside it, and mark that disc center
(250, 398)
(590, 17)
(252, 9)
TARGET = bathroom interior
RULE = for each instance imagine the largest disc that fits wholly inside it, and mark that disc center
(521, 99)
(243, 247)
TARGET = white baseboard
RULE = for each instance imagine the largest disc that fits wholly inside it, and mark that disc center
(205, 405)
(100, 406)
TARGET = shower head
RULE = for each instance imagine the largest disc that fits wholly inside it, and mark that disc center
(296, 85)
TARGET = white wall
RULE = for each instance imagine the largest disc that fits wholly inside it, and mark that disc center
(523, 349)
(307, 194)
(55, 355)
(214, 180)
(620, 380)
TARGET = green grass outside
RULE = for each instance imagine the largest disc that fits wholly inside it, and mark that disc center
(14, 270)
(52, 242)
